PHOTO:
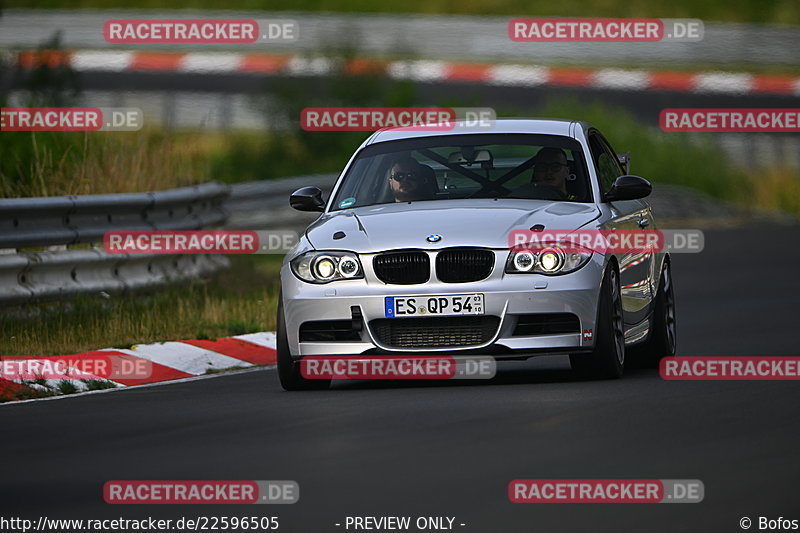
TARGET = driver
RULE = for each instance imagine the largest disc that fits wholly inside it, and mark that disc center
(551, 169)
(407, 181)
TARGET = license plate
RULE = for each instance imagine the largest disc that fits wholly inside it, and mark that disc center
(451, 304)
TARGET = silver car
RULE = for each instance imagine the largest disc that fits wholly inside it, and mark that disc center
(411, 254)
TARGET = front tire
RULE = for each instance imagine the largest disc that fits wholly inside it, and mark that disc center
(607, 360)
(288, 370)
(662, 340)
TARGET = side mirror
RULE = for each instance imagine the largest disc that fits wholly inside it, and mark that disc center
(628, 188)
(307, 199)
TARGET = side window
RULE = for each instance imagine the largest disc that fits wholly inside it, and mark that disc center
(613, 155)
(605, 161)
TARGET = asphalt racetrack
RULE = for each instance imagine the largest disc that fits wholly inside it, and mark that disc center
(451, 448)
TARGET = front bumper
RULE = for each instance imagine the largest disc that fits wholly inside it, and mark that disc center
(506, 296)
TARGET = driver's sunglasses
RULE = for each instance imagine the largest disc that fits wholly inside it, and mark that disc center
(400, 176)
(555, 166)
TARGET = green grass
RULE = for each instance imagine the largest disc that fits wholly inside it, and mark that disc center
(98, 384)
(66, 387)
(777, 11)
(57, 163)
(60, 163)
(240, 300)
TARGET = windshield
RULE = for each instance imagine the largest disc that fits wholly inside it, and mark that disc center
(526, 166)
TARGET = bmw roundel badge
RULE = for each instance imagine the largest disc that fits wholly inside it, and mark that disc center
(434, 238)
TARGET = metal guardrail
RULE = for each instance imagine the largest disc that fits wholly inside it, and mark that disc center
(64, 220)
(265, 204)
(33, 277)
(27, 223)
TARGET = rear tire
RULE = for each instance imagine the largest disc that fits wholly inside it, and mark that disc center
(607, 360)
(662, 340)
(288, 370)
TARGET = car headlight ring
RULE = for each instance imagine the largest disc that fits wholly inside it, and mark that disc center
(524, 261)
(324, 267)
(550, 261)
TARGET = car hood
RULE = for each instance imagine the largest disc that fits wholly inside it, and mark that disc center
(485, 223)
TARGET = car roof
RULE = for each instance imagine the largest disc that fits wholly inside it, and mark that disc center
(546, 126)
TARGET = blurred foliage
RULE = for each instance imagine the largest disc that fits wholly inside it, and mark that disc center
(50, 82)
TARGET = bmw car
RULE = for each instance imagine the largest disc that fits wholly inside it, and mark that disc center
(411, 253)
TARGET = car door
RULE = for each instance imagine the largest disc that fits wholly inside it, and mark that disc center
(635, 267)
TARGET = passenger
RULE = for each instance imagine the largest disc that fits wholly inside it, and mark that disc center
(550, 174)
(551, 169)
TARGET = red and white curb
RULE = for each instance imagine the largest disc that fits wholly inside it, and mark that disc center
(420, 70)
(169, 361)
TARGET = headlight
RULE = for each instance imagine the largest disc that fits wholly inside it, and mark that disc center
(524, 261)
(324, 267)
(349, 267)
(551, 261)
